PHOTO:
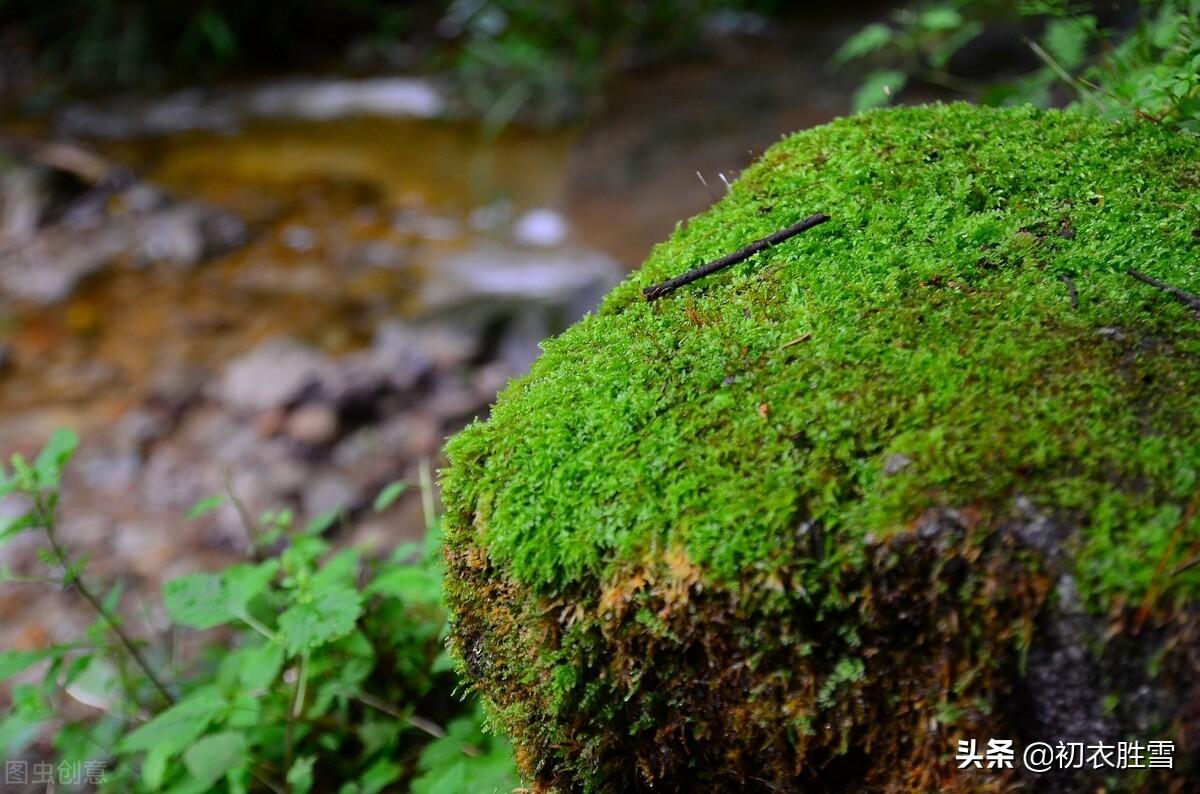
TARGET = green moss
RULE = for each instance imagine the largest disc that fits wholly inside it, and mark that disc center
(942, 330)
(962, 334)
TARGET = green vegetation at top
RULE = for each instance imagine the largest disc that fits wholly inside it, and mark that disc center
(546, 61)
(962, 333)
(1101, 62)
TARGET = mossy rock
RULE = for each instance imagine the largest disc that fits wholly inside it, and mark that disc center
(919, 475)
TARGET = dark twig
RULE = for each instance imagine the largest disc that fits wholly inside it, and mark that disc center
(422, 724)
(1187, 566)
(742, 254)
(1071, 291)
(1182, 296)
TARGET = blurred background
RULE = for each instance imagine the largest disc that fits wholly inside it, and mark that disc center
(301, 243)
(284, 249)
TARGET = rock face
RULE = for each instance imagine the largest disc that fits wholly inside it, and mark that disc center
(894, 484)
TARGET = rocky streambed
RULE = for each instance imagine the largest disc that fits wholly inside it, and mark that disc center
(307, 286)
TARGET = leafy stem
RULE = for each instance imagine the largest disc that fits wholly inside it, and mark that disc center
(72, 577)
(253, 623)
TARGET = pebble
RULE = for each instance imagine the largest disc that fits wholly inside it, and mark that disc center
(314, 425)
(300, 239)
(271, 376)
(541, 227)
(896, 463)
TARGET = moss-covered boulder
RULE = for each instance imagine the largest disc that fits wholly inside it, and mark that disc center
(919, 475)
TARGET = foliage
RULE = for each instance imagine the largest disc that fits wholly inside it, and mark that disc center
(819, 490)
(1151, 71)
(122, 42)
(547, 61)
(328, 672)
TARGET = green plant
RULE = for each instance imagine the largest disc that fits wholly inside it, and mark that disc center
(546, 62)
(323, 671)
(1150, 71)
(105, 43)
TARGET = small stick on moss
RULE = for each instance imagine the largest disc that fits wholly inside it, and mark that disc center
(1182, 296)
(1186, 566)
(1071, 291)
(659, 290)
(798, 340)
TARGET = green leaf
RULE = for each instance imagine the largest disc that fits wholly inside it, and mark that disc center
(341, 569)
(216, 31)
(443, 780)
(446, 769)
(204, 600)
(878, 89)
(205, 506)
(177, 726)
(300, 776)
(444, 663)
(941, 53)
(326, 615)
(873, 37)
(941, 19)
(13, 662)
(19, 729)
(1164, 30)
(197, 600)
(54, 456)
(11, 527)
(406, 553)
(244, 582)
(154, 767)
(1066, 40)
(323, 521)
(245, 711)
(189, 785)
(260, 665)
(411, 584)
(388, 496)
(303, 552)
(210, 758)
(381, 774)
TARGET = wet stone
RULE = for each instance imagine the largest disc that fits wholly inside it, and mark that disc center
(271, 376)
(896, 464)
(312, 424)
(300, 239)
